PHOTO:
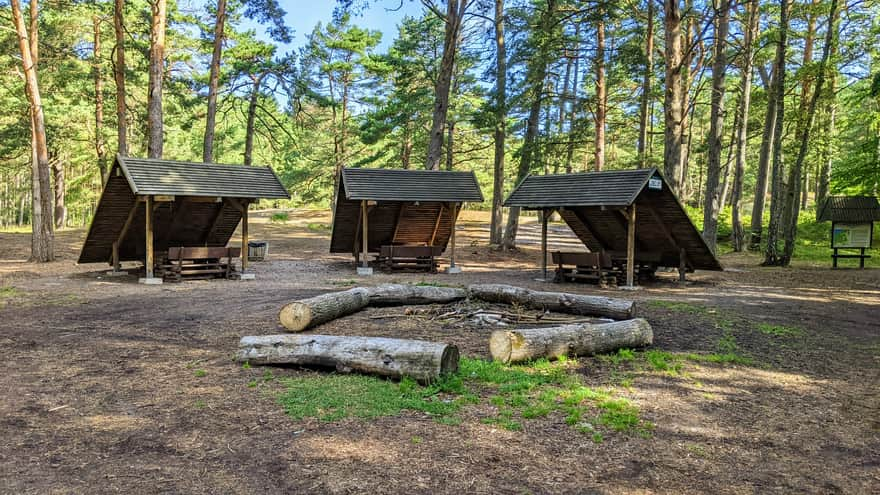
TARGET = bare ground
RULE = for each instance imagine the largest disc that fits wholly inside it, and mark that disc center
(100, 392)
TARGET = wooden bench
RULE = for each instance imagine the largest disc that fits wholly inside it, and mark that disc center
(646, 263)
(198, 262)
(583, 266)
(409, 257)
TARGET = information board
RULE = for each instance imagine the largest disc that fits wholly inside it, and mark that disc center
(851, 235)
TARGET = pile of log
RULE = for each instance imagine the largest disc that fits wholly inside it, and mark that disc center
(427, 361)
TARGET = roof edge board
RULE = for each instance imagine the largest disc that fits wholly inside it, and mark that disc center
(121, 160)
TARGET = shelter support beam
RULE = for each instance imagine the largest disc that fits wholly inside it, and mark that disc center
(364, 236)
(244, 236)
(545, 215)
(121, 236)
(452, 222)
(682, 264)
(631, 245)
(148, 216)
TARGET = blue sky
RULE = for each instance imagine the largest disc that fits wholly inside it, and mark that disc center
(303, 15)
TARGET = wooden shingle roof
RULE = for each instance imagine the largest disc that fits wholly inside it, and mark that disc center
(150, 176)
(850, 209)
(593, 205)
(379, 184)
(608, 188)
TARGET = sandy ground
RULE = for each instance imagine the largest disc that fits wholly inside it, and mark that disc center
(99, 393)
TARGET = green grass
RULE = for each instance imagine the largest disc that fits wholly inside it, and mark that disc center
(318, 227)
(779, 330)
(7, 293)
(519, 393)
(279, 217)
(201, 373)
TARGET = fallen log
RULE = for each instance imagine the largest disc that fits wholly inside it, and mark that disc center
(400, 294)
(513, 346)
(562, 302)
(423, 361)
(300, 315)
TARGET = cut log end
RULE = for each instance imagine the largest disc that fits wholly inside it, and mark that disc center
(449, 360)
(295, 316)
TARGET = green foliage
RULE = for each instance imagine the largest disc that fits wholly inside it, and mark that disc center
(779, 330)
(279, 217)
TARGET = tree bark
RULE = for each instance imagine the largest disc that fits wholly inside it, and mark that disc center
(742, 140)
(401, 294)
(100, 147)
(495, 231)
(572, 114)
(156, 75)
(711, 206)
(761, 182)
(771, 250)
(252, 119)
(119, 75)
(57, 166)
(647, 80)
(300, 315)
(673, 111)
(42, 241)
(794, 178)
(455, 10)
(580, 339)
(214, 83)
(824, 179)
(601, 96)
(561, 302)
(396, 358)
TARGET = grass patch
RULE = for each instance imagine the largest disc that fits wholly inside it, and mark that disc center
(519, 393)
(279, 217)
(679, 307)
(201, 373)
(318, 227)
(779, 330)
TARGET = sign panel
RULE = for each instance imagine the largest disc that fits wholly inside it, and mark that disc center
(851, 235)
(655, 184)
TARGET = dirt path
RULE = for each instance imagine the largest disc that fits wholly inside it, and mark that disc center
(111, 386)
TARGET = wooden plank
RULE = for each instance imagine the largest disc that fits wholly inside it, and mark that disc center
(148, 263)
(397, 222)
(244, 236)
(452, 221)
(364, 235)
(584, 218)
(544, 218)
(631, 246)
(437, 225)
(216, 220)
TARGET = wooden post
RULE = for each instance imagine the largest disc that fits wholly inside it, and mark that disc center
(115, 261)
(631, 246)
(544, 244)
(682, 264)
(148, 215)
(364, 230)
(454, 210)
(244, 236)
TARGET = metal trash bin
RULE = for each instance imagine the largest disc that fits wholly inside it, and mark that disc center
(257, 250)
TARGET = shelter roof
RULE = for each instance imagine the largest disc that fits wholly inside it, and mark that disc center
(379, 184)
(851, 209)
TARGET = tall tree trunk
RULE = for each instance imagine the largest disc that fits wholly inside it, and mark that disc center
(450, 141)
(564, 98)
(213, 83)
(454, 13)
(794, 178)
(711, 206)
(824, 173)
(536, 75)
(57, 166)
(646, 88)
(252, 119)
(42, 243)
(157, 72)
(572, 114)
(100, 147)
(673, 111)
(119, 75)
(742, 140)
(764, 157)
(601, 95)
(500, 125)
(771, 250)
(406, 145)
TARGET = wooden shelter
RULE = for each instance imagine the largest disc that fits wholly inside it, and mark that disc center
(852, 224)
(632, 215)
(151, 205)
(382, 210)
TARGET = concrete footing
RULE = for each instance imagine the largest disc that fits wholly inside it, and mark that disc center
(364, 270)
(150, 281)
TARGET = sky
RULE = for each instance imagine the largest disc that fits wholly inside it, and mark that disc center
(303, 15)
